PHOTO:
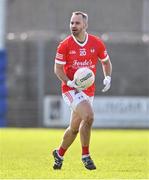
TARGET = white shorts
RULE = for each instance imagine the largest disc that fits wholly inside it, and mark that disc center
(73, 98)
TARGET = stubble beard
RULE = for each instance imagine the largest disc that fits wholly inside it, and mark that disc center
(76, 34)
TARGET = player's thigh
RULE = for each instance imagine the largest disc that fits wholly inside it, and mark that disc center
(84, 110)
(75, 121)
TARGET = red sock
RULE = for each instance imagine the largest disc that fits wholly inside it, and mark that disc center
(61, 151)
(85, 150)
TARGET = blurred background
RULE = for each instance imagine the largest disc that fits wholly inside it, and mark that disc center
(30, 30)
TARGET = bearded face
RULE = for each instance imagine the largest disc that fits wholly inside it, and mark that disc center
(77, 25)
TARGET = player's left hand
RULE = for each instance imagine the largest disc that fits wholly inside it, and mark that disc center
(107, 83)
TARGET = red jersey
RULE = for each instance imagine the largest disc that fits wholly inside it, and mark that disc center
(74, 55)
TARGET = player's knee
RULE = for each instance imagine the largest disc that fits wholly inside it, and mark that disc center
(86, 124)
(88, 120)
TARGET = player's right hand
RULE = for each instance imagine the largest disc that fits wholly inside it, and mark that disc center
(72, 84)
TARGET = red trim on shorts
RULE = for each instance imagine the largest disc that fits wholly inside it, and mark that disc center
(69, 96)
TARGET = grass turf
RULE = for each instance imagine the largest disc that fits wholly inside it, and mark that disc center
(26, 153)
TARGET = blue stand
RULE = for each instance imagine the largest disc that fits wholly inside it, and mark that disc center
(3, 89)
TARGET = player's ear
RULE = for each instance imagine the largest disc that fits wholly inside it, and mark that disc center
(85, 25)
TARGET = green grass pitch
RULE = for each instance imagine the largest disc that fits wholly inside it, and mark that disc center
(118, 154)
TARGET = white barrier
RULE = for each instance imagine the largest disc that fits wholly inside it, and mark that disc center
(110, 112)
(3, 4)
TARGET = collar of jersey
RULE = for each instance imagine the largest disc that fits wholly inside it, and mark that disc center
(81, 44)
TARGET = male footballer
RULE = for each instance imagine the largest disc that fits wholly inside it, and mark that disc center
(79, 49)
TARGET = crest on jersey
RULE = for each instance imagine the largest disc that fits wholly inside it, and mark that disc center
(83, 52)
